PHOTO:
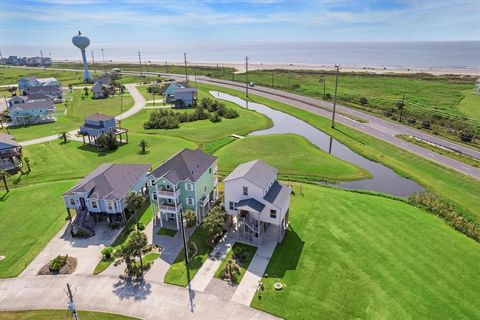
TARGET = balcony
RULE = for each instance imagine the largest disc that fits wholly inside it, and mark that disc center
(166, 193)
(170, 208)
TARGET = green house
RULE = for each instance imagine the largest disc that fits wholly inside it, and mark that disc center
(185, 181)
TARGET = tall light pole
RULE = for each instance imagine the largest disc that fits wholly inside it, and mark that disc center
(104, 65)
(140, 63)
(335, 97)
(186, 70)
(93, 62)
(246, 75)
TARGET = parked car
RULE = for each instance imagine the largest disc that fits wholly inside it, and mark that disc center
(251, 84)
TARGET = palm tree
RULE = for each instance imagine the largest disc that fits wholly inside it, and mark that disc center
(27, 162)
(133, 202)
(64, 135)
(138, 244)
(4, 175)
(85, 91)
(70, 87)
(143, 144)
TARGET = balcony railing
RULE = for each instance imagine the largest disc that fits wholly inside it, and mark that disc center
(170, 208)
(165, 193)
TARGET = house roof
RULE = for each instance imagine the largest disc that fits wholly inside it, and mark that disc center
(278, 194)
(22, 98)
(31, 78)
(8, 140)
(256, 171)
(187, 164)
(40, 89)
(39, 96)
(97, 87)
(105, 79)
(251, 204)
(110, 181)
(180, 90)
(99, 117)
(31, 105)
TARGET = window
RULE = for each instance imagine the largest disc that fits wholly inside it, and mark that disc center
(273, 214)
(189, 186)
(245, 191)
(167, 187)
(94, 205)
(190, 201)
(154, 196)
(210, 170)
(116, 207)
(153, 182)
(232, 205)
(72, 201)
(110, 207)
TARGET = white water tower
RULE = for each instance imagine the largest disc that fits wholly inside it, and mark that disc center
(82, 43)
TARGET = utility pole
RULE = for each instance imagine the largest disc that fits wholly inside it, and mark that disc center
(104, 65)
(289, 76)
(195, 74)
(121, 102)
(186, 70)
(93, 62)
(43, 61)
(324, 86)
(335, 97)
(273, 78)
(71, 303)
(166, 70)
(217, 70)
(246, 75)
(1, 58)
(140, 63)
(184, 237)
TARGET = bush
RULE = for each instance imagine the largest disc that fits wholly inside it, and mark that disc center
(140, 226)
(466, 135)
(58, 263)
(230, 114)
(107, 141)
(215, 117)
(363, 101)
(191, 218)
(328, 96)
(388, 112)
(107, 253)
(426, 124)
(295, 86)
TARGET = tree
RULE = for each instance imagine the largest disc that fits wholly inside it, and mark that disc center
(133, 202)
(466, 135)
(4, 175)
(107, 141)
(70, 87)
(124, 254)
(231, 271)
(85, 91)
(400, 105)
(191, 218)
(64, 135)
(143, 144)
(27, 162)
(138, 245)
(213, 223)
(12, 90)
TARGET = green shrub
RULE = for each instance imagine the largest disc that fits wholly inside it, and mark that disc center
(466, 135)
(58, 263)
(107, 141)
(107, 253)
(426, 124)
(190, 217)
(140, 226)
(363, 101)
(215, 118)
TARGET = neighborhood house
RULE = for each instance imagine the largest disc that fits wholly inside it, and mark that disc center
(185, 181)
(257, 205)
(32, 85)
(22, 111)
(102, 194)
(185, 97)
(97, 124)
(10, 154)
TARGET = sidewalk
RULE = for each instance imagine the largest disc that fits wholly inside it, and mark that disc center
(248, 286)
(207, 271)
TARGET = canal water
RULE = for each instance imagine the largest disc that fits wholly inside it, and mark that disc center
(384, 179)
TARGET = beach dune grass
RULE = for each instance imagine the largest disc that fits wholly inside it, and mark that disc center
(352, 255)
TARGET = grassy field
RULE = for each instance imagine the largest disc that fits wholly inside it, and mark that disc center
(204, 131)
(456, 187)
(74, 115)
(238, 249)
(354, 256)
(59, 315)
(177, 273)
(299, 159)
(470, 104)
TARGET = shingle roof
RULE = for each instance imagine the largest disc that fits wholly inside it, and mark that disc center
(110, 181)
(30, 105)
(31, 78)
(186, 90)
(278, 194)
(40, 89)
(99, 117)
(8, 140)
(250, 203)
(187, 164)
(256, 171)
(97, 87)
(21, 98)
(39, 96)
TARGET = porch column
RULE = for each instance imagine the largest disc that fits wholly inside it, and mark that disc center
(69, 215)
(176, 220)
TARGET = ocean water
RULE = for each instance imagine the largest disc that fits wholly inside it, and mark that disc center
(445, 54)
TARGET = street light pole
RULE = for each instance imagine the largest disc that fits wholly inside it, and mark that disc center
(186, 70)
(335, 97)
(104, 65)
(140, 63)
(246, 75)
(93, 62)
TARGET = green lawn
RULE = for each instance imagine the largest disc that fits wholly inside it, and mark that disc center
(204, 131)
(349, 255)
(59, 315)
(166, 232)
(177, 273)
(238, 249)
(11, 75)
(470, 104)
(73, 117)
(449, 184)
(299, 159)
(30, 216)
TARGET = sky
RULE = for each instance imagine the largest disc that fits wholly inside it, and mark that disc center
(54, 22)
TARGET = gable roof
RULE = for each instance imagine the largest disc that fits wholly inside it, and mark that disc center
(97, 87)
(250, 203)
(278, 194)
(181, 90)
(256, 171)
(31, 105)
(187, 164)
(8, 140)
(99, 117)
(30, 78)
(110, 181)
(40, 89)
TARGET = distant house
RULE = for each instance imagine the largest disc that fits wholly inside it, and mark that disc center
(185, 97)
(102, 194)
(104, 80)
(25, 99)
(168, 91)
(257, 205)
(185, 181)
(477, 85)
(32, 85)
(32, 112)
(40, 96)
(10, 154)
(51, 90)
(97, 124)
(49, 82)
(98, 90)
(27, 82)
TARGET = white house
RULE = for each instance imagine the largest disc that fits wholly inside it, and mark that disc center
(257, 205)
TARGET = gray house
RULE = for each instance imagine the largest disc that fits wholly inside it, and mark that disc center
(102, 194)
(97, 124)
(98, 91)
(10, 153)
(185, 97)
(32, 112)
(51, 90)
